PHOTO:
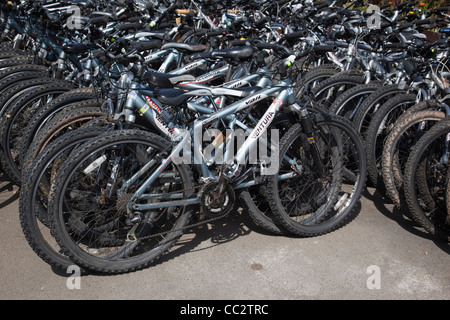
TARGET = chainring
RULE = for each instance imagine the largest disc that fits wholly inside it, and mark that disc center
(214, 203)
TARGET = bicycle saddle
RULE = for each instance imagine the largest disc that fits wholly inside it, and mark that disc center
(236, 54)
(165, 80)
(76, 48)
(151, 34)
(184, 47)
(172, 97)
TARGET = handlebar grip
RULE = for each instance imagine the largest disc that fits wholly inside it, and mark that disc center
(265, 45)
(442, 9)
(98, 20)
(216, 33)
(238, 42)
(385, 24)
(323, 48)
(294, 35)
(322, 5)
(147, 45)
(400, 6)
(396, 46)
(425, 21)
(245, 42)
(130, 25)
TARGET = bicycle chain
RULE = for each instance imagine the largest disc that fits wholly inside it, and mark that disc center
(182, 228)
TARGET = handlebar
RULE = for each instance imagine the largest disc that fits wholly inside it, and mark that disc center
(441, 9)
(293, 35)
(324, 48)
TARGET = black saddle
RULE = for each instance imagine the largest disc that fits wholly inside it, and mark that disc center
(237, 54)
(172, 97)
(77, 48)
(165, 80)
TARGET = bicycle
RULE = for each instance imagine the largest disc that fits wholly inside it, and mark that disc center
(134, 210)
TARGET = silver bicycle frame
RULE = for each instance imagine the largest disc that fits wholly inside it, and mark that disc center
(285, 97)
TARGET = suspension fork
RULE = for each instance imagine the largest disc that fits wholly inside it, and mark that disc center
(307, 125)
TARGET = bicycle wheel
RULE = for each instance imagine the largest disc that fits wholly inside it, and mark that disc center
(33, 214)
(372, 103)
(44, 114)
(16, 118)
(397, 147)
(15, 61)
(382, 122)
(426, 180)
(17, 90)
(79, 115)
(88, 203)
(305, 194)
(327, 91)
(17, 78)
(354, 177)
(312, 78)
(350, 101)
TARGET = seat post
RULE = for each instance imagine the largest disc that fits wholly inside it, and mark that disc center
(229, 72)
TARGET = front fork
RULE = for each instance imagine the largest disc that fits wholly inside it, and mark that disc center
(307, 125)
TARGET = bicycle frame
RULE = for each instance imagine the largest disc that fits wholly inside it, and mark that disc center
(138, 96)
(284, 100)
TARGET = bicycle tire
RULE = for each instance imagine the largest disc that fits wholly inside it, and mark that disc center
(345, 105)
(18, 77)
(24, 68)
(70, 236)
(426, 157)
(16, 90)
(329, 89)
(372, 103)
(10, 62)
(66, 120)
(313, 197)
(381, 123)
(312, 78)
(15, 118)
(33, 213)
(392, 165)
(44, 114)
(354, 162)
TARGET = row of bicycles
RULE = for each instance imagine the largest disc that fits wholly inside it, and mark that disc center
(126, 123)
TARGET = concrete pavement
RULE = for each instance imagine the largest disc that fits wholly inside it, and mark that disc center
(378, 255)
